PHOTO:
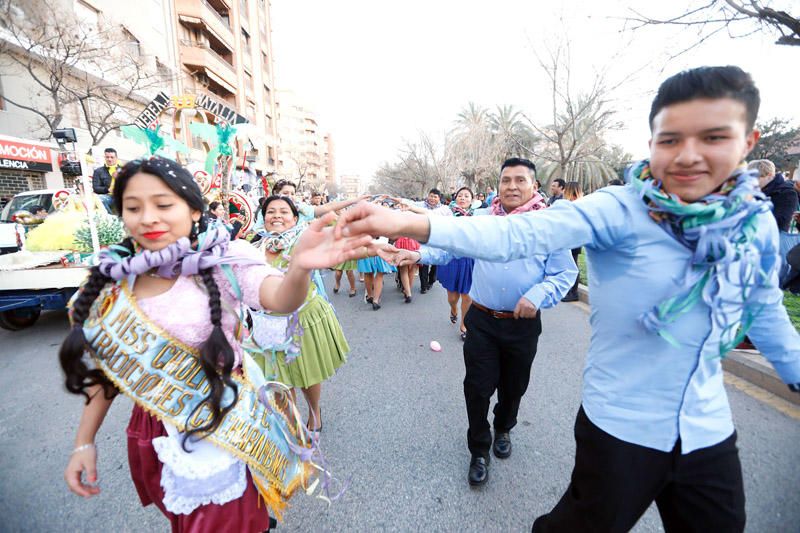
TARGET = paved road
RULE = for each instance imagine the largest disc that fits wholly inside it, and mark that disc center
(394, 425)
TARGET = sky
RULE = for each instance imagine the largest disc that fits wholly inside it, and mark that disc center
(379, 72)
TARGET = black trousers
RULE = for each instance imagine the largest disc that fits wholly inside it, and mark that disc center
(498, 354)
(573, 291)
(614, 482)
(427, 276)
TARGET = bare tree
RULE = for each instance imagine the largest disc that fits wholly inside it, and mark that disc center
(572, 145)
(304, 166)
(420, 165)
(95, 71)
(738, 18)
(475, 149)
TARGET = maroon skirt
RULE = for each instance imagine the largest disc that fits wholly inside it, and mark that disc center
(246, 513)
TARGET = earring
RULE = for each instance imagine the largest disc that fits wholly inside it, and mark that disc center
(195, 229)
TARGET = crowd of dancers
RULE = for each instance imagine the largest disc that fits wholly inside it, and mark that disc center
(210, 337)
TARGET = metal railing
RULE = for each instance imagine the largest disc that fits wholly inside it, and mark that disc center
(206, 47)
(225, 20)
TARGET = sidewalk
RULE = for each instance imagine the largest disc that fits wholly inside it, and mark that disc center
(749, 365)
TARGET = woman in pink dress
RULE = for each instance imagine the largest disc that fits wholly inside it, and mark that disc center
(187, 280)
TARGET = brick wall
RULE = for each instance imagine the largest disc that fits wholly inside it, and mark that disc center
(16, 181)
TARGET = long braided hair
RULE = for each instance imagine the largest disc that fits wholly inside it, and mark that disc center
(216, 354)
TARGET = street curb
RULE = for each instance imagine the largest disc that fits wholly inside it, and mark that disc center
(749, 365)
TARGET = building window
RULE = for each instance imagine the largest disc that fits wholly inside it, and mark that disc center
(265, 64)
(245, 42)
(87, 15)
(132, 46)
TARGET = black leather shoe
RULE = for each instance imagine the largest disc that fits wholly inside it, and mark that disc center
(478, 470)
(502, 445)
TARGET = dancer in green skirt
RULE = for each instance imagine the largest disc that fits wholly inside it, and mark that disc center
(305, 348)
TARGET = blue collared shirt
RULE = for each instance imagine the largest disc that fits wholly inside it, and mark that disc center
(542, 279)
(636, 386)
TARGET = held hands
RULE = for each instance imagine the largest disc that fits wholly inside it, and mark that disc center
(525, 309)
(318, 247)
(368, 218)
(83, 461)
(398, 257)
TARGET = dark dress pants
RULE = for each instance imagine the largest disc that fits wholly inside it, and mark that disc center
(427, 276)
(573, 291)
(614, 482)
(498, 354)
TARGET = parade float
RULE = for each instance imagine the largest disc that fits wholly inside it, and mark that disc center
(58, 251)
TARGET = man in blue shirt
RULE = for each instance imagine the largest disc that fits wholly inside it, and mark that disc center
(433, 203)
(503, 324)
(683, 261)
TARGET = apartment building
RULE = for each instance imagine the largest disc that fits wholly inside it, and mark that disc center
(330, 164)
(225, 53)
(351, 185)
(306, 152)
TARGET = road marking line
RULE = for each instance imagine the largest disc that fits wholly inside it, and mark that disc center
(776, 402)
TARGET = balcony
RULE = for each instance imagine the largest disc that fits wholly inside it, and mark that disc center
(203, 14)
(199, 56)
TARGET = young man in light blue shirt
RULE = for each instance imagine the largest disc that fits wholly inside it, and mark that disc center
(683, 261)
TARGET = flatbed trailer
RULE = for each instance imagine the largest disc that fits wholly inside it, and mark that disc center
(26, 292)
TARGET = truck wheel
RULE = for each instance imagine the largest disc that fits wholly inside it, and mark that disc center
(21, 318)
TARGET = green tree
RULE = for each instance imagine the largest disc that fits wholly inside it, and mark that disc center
(514, 137)
(779, 142)
(474, 148)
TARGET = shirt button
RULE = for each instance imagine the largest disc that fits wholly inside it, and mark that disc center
(503, 289)
(506, 268)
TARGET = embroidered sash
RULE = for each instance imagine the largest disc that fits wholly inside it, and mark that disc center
(165, 377)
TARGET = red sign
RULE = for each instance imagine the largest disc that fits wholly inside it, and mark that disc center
(23, 156)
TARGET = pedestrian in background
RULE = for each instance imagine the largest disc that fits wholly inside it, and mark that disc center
(456, 276)
(432, 204)
(556, 191)
(573, 191)
(103, 177)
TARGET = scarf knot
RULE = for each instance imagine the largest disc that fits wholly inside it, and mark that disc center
(283, 241)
